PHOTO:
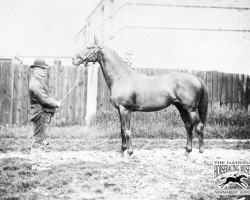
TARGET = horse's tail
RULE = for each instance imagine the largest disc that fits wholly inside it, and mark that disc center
(203, 103)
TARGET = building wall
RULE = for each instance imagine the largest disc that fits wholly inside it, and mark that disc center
(194, 34)
(185, 34)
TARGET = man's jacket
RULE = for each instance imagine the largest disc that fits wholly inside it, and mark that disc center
(40, 99)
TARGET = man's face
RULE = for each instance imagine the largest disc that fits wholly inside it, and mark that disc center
(40, 72)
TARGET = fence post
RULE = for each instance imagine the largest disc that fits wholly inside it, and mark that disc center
(91, 92)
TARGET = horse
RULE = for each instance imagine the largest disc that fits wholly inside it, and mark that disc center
(236, 179)
(132, 91)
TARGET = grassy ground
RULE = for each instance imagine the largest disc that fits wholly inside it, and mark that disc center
(84, 160)
(167, 124)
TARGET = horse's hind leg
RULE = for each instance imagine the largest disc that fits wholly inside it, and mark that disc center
(191, 119)
(188, 126)
(198, 127)
(125, 120)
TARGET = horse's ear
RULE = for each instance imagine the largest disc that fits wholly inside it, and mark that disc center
(96, 40)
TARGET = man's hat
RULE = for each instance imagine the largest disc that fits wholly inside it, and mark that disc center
(40, 63)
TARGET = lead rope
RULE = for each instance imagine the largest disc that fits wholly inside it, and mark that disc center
(61, 102)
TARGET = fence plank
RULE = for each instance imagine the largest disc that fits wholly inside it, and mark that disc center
(245, 92)
(9, 93)
(210, 85)
(60, 90)
(24, 95)
(219, 86)
(224, 88)
(215, 85)
(65, 104)
(74, 94)
(85, 92)
(1, 93)
(4, 92)
(81, 95)
(230, 88)
(16, 94)
(248, 93)
(240, 90)
(235, 88)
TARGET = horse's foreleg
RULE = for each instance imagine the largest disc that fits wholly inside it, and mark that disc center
(123, 146)
(126, 118)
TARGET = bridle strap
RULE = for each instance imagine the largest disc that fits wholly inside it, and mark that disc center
(93, 52)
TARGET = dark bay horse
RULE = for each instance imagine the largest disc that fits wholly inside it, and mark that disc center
(134, 91)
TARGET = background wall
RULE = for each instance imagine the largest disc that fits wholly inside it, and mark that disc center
(191, 34)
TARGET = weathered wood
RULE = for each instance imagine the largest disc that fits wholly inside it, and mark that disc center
(235, 88)
(24, 95)
(210, 85)
(224, 88)
(215, 85)
(230, 88)
(65, 103)
(219, 88)
(74, 93)
(85, 92)
(60, 90)
(16, 95)
(10, 85)
(240, 90)
(1, 93)
(248, 91)
(245, 92)
(4, 96)
(81, 97)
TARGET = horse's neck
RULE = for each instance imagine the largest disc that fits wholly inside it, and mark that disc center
(113, 67)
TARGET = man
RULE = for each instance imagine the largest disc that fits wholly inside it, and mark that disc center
(43, 106)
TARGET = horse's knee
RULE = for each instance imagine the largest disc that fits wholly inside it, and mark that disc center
(128, 133)
(199, 128)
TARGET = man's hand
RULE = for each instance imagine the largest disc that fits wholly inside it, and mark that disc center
(58, 104)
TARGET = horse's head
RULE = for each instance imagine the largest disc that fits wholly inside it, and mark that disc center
(90, 54)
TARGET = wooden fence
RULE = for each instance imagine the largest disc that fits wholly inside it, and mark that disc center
(225, 89)
(230, 90)
(14, 96)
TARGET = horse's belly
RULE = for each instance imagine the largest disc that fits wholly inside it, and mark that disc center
(152, 103)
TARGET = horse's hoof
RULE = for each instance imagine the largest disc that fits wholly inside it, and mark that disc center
(130, 152)
(188, 149)
(201, 150)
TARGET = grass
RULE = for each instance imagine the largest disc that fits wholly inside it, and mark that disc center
(167, 124)
(87, 180)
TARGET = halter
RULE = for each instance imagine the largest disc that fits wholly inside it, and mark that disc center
(91, 53)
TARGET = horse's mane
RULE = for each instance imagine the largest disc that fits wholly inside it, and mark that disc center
(118, 57)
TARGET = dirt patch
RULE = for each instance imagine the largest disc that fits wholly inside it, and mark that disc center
(149, 174)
